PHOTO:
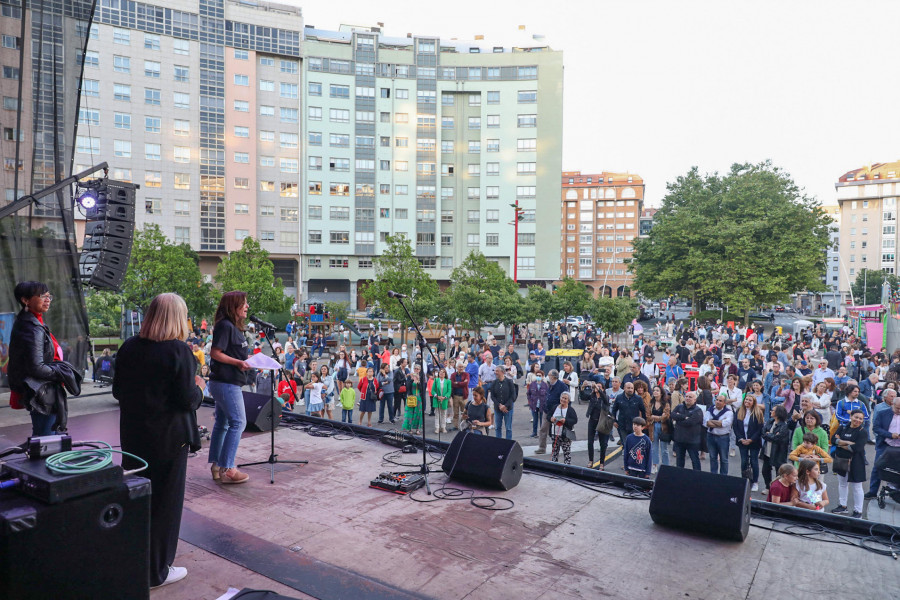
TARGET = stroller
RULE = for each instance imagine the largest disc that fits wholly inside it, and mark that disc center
(889, 469)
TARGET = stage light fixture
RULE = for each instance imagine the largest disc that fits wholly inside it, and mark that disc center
(88, 199)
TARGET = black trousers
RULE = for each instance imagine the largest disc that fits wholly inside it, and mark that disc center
(166, 501)
(604, 441)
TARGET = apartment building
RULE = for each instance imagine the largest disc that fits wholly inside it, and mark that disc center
(199, 104)
(867, 201)
(601, 215)
(429, 138)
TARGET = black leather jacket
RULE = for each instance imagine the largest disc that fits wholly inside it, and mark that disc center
(30, 353)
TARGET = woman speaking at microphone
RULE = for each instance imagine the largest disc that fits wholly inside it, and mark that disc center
(228, 366)
(158, 393)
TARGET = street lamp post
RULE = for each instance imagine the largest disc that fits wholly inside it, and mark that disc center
(517, 216)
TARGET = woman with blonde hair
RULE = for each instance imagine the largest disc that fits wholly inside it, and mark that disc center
(158, 392)
(748, 428)
(228, 364)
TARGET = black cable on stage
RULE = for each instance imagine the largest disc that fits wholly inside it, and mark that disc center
(820, 533)
(629, 492)
(451, 493)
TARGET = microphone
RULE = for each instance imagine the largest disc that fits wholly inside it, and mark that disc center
(392, 294)
(260, 322)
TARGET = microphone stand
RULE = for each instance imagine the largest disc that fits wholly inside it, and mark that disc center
(423, 385)
(273, 458)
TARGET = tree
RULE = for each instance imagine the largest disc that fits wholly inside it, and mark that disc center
(250, 270)
(571, 298)
(158, 266)
(480, 292)
(104, 310)
(613, 315)
(338, 311)
(538, 305)
(867, 287)
(398, 270)
(747, 238)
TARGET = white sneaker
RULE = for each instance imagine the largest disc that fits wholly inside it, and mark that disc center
(175, 574)
(654, 469)
(732, 453)
(755, 488)
(491, 427)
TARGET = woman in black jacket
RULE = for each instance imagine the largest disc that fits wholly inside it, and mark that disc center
(158, 393)
(563, 423)
(748, 427)
(597, 405)
(32, 353)
(777, 436)
(851, 440)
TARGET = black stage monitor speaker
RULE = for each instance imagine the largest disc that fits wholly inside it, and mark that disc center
(715, 505)
(95, 546)
(258, 415)
(484, 460)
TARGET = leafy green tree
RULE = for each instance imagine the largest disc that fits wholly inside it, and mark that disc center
(538, 304)
(339, 311)
(571, 298)
(867, 287)
(104, 310)
(250, 270)
(478, 289)
(398, 270)
(613, 315)
(747, 238)
(158, 266)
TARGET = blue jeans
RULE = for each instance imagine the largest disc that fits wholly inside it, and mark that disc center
(42, 424)
(231, 419)
(508, 417)
(536, 419)
(306, 394)
(346, 415)
(387, 399)
(749, 460)
(658, 450)
(718, 452)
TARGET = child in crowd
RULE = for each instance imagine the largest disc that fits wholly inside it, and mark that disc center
(810, 450)
(637, 450)
(809, 491)
(348, 401)
(780, 489)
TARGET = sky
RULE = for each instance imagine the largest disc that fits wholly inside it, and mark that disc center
(654, 88)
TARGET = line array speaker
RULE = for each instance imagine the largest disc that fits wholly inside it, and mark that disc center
(109, 234)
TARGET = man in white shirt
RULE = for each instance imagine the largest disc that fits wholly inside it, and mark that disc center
(717, 419)
(821, 373)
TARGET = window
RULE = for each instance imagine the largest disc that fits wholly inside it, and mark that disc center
(240, 234)
(182, 47)
(123, 121)
(527, 144)
(474, 170)
(152, 206)
(425, 216)
(122, 148)
(339, 213)
(401, 165)
(289, 140)
(315, 163)
(182, 128)
(242, 157)
(314, 88)
(182, 100)
(241, 106)
(267, 161)
(314, 262)
(290, 215)
(241, 183)
(338, 263)
(474, 122)
(151, 41)
(339, 189)
(266, 85)
(314, 212)
(472, 240)
(241, 132)
(527, 96)
(151, 69)
(473, 216)
(493, 145)
(528, 216)
(526, 168)
(241, 54)
(13, 73)
(365, 92)
(474, 147)
(339, 237)
(122, 92)
(526, 72)
(266, 61)
(242, 209)
(337, 140)
(10, 103)
(182, 74)
(493, 168)
(289, 190)
(314, 113)
(527, 121)
(446, 239)
(365, 263)
(492, 216)
(314, 138)
(401, 118)
(401, 213)
(182, 208)
(446, 262)
(492, 192)
(288, 66)
(288, 90)
(152, 179)
(339, 164)
(121, 36)
(401, 190)
(266, 111)
(266, 210)
(242, 80)
(314, 236)
(338, 115)
(339, 91)
(152, 152)
(402, 94)
(290, 165)
(182, 154)
(267, 236)
(493, 121)
(447, 123)
(527, 239)
(121, 64)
